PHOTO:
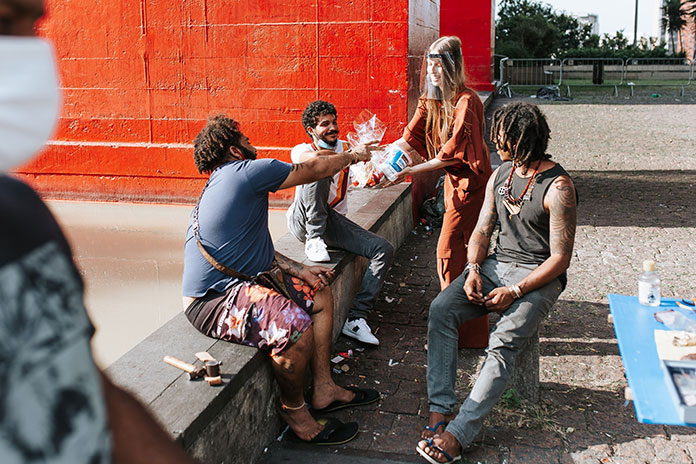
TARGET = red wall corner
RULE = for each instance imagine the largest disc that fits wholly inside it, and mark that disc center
(473, 22)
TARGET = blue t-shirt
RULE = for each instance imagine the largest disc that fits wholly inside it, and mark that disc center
(233, 224)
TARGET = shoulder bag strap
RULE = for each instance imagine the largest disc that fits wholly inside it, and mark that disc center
(213, 262)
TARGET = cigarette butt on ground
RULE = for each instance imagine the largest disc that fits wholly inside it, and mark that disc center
(213, 380)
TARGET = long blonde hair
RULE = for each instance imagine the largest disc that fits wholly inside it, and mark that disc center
(441, 113)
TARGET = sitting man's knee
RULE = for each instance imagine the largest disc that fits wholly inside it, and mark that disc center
(323, 299)
(383, 250)
(439, 310)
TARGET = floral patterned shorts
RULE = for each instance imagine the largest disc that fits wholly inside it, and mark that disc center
(252, 315)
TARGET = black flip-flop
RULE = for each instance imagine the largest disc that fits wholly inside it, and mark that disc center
(334, 433)
(362, 397)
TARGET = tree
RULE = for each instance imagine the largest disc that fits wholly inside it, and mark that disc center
(618, 42)
(674, 19)
(529, 29)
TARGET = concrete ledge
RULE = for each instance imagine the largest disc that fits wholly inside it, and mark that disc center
(234, 422)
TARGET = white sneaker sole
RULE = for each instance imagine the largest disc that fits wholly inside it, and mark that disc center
(351, 334)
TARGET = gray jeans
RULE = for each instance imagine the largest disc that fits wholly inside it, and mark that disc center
(312, 217)
(510, 335)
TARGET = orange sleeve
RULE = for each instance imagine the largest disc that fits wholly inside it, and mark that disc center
(414, 134)
(466, 140)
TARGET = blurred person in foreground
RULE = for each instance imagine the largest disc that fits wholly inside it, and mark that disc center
(56, 405)
(317, 217)
(535, 201)
(228, 247)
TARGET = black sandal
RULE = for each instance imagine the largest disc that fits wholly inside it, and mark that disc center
(334, 433)
(361, 398)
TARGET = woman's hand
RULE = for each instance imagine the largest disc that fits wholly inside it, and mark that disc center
(473, 288)
(317, 276)
(499, 300)
(401, 176)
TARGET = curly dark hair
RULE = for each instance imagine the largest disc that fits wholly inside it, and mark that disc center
(521, 129)
(213, 142)
(311, 114)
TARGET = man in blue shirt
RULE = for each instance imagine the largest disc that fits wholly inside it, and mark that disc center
(228, 240)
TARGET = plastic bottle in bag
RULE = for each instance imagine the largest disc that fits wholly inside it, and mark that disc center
(395, 160)
(674, 320)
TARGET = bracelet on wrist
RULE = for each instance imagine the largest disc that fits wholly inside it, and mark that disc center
(473, 267)
(515, 291)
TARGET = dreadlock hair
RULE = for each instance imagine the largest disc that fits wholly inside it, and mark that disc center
(212, 144)
(311, 114)
(521, 129)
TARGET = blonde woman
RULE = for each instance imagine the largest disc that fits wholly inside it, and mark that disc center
(447, 130)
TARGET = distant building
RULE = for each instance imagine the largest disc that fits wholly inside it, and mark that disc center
(591, 19)
(687, 33)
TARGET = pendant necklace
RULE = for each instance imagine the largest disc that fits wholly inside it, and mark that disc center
(514, 205)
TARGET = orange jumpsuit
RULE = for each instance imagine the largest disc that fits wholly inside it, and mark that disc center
(465, 184)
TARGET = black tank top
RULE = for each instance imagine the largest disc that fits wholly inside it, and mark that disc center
(524, 237)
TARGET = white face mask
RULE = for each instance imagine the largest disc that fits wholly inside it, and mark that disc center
(29, 98)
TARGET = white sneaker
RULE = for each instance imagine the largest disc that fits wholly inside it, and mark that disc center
(359, 330)
(315, 249)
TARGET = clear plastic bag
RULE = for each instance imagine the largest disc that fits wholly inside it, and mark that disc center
(368, 128)
(674, 320)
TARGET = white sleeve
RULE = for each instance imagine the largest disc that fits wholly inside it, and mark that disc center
(298, 150)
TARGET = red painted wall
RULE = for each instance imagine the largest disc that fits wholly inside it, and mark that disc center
(141, 77)
(474, 23)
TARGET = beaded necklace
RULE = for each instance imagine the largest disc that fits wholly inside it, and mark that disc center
(514, 205)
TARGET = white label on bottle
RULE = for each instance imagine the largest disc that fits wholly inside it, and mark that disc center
(648, 294)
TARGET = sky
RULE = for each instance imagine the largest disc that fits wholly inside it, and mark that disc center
(616, 14)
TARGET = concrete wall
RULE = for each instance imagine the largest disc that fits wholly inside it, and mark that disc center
(140, 79)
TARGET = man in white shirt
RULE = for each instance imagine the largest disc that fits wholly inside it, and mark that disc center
(317, 218)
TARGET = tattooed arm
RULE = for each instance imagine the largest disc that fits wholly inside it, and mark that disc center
(561, 204)
(316, 276)
(325, 164)
(480, 240)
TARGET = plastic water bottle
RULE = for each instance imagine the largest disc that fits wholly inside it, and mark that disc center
(649, 285)
(394, 162)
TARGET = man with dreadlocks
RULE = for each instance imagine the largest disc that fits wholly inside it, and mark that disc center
(228, 244)
(535, 201)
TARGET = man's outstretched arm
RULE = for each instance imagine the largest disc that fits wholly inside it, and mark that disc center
(325, 164)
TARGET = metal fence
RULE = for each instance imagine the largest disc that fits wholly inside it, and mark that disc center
(595, 72)
(530, 71)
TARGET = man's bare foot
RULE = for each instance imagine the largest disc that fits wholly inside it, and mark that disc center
(301, 422)
(327, 393)
(445, 442)
(436, 424)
